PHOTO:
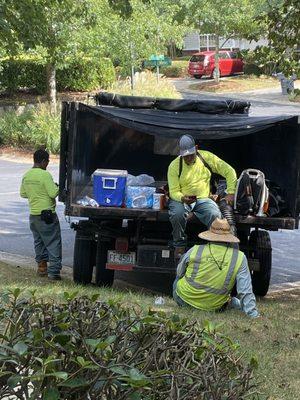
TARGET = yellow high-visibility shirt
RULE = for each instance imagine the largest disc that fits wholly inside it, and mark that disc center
(195, 178)
(40, 190)
(210, 276)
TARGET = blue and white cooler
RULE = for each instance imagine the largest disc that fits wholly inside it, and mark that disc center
(109, 187)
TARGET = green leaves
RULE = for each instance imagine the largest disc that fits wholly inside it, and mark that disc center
(74, 383)
(282, 22)
(51, 394)
(64, 350)
(223, 18)
(60, 375)
(21, 348)
(32, 127)
(136, 379)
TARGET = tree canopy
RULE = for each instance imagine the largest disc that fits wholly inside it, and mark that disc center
(282, 21)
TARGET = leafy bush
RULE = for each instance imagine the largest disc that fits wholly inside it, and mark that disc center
(145, 84)
(86, 349)
(32, 129)
(295, 96)
(266, 61)
(252, 69)
(82, 74)
(86, 74)
(22, 73)
(178, 69)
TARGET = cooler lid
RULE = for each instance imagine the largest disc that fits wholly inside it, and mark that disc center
(111, 172)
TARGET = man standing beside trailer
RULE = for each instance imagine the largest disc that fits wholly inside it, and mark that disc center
(40, 190)
(189, 187)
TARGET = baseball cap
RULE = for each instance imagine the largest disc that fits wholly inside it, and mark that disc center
(187, 145)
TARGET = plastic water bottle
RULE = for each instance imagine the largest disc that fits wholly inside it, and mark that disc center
(159, 301)
(92, 202)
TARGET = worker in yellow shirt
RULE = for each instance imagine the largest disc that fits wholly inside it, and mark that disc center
(40, 190)
(189, 188)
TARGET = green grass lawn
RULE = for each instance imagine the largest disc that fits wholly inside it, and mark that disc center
(241, 83)
(273, 339)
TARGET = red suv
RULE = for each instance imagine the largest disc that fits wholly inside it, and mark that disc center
(204, 64)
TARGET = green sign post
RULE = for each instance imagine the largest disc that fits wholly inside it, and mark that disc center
(157, 61)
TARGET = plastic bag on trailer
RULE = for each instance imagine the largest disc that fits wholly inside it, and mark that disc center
(139, 196)
(140, 180)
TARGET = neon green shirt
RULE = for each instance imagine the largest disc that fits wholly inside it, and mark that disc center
(40, 190)
(195, 178)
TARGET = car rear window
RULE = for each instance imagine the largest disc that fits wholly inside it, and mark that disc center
(197, 58)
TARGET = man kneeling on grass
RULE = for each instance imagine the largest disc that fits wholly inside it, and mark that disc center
(206, 274)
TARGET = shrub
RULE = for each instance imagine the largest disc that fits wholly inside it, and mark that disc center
(261, 61)
(146, 85)
(178, 69)
(252, 69)
(295, 96)
(22, 73)
(80, 75)
(86, 349)
(32, 129)
(86, 74)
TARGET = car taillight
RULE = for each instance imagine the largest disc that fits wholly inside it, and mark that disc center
(121, 245)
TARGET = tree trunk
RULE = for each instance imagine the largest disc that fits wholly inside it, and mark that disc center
(51, 86)
(217, 69)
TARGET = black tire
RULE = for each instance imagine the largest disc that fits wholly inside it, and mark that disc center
(260, 245)
(197, 76)
(104, 277)
(84, 258)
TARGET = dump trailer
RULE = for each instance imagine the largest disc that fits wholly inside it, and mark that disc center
(141, 135)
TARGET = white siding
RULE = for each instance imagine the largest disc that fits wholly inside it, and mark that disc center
(193, 42)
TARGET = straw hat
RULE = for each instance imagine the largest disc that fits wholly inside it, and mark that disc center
(219, 231)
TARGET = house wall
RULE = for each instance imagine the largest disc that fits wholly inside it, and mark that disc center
(194, 42)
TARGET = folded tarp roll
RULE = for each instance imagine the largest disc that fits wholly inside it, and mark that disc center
(226, 106)
(117, 100)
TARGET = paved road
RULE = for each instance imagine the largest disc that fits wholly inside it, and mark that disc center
(15, 236)
(263, 102)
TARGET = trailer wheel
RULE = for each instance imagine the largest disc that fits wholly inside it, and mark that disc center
(104, 277)
(260, 243)
(84, 258)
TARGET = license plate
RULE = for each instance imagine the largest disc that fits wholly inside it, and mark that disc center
(113, 257)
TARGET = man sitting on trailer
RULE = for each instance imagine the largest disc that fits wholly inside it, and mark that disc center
(189, 188)
(207, 273)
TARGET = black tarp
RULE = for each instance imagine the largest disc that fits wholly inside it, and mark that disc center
(175, 123)
(215, 106)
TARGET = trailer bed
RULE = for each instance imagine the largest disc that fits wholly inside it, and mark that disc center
(269, 223)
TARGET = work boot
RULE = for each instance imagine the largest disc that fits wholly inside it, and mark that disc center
(42, 268)
(178, 252)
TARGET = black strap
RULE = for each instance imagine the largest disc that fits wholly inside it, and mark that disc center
(201, 158)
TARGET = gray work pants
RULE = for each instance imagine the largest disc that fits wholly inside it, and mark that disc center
(206, 210)
(47, 242)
